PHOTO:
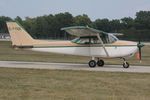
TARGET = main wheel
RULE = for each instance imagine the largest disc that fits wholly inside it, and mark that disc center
(92, 63)
(100, 63)
(126, 65)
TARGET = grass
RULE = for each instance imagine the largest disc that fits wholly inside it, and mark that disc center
(36, 84)
(8, 53)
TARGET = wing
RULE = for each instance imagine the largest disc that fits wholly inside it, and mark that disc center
(82, 31)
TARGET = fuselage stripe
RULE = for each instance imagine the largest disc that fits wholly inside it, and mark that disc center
(85, 46)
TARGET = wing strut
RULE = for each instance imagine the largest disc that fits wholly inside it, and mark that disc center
(98, 36)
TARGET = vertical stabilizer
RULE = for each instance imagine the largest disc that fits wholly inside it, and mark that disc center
(19, 35)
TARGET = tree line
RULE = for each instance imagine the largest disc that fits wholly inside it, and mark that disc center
(48, 26)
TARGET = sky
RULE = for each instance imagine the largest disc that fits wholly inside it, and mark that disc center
(95, 9)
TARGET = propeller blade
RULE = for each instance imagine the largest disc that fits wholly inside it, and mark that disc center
(140, 54)
(139, 41)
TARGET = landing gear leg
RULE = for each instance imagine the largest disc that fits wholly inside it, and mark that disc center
(125, 63)
(92, 63)
(100, 62)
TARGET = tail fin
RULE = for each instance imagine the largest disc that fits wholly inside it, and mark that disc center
(19, 35)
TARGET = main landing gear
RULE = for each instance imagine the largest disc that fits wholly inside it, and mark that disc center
(125, 63)
(93, 63)
(100, 63)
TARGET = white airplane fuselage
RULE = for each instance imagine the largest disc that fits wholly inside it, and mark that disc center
(114, 50)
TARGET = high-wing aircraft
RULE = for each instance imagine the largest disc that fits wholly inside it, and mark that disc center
(89, 42)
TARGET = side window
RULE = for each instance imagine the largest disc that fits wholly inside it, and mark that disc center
(95, 40)
(75, 40)
(84, 41)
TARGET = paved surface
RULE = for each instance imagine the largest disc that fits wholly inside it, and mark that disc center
(147, 43)
(69, 66)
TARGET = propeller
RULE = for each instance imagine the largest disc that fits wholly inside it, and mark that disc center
(139, 54)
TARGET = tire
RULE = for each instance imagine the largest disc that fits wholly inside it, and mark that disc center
(92, 63)
(126, 65)
(100, 63)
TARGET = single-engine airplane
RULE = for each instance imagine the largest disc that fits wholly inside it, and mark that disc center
(89, 42)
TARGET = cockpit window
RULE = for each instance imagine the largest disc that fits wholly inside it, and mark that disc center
(94, 40)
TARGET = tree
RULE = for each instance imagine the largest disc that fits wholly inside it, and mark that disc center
(48, 26)
(29, 25)
(19, 20)
(115, 25)
(3, 27)
(62, 20)
(102, 24)
(142, 20)
(81, 20)
(127, 22)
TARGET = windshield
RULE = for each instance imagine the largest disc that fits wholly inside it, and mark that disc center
(112, 38)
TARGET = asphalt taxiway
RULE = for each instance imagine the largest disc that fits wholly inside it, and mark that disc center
(71, 66)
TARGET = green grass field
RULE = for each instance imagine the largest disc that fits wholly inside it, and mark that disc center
(8, 53)
(36, 84)
(40, 84)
